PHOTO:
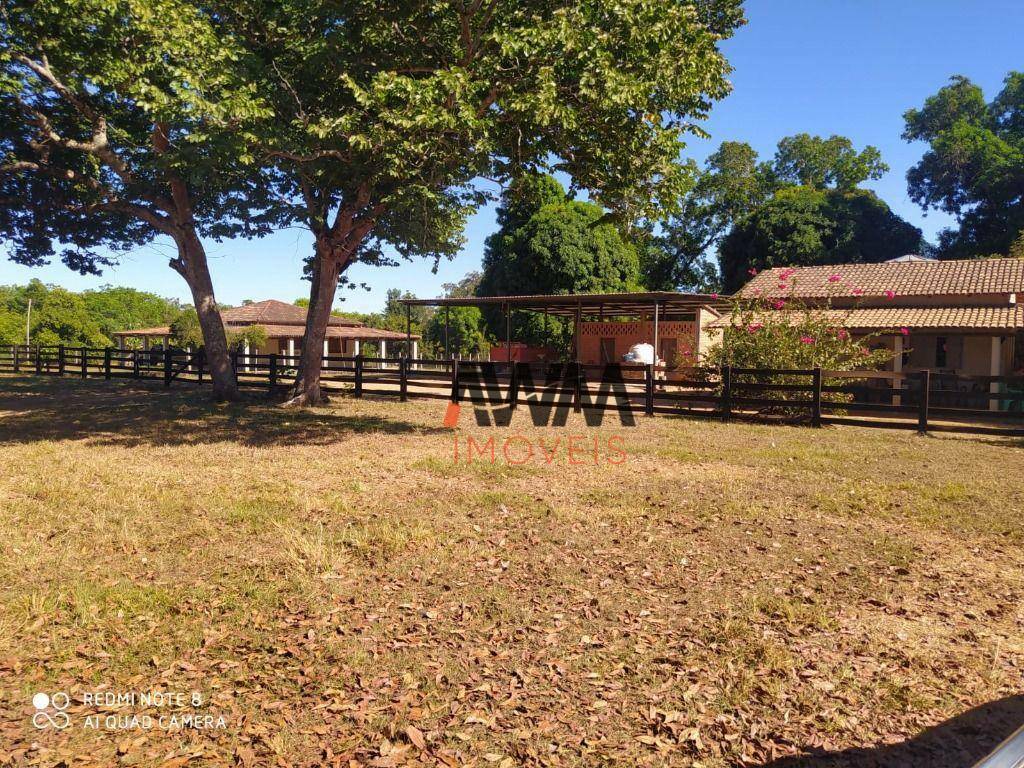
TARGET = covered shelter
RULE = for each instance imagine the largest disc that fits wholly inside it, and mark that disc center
(606, 325)
(285, 326)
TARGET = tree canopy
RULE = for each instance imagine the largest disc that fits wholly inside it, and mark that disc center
(548, 244)
(974, 165)
(121, 121)
(802, 226)
(813, 161)
(89, 318)
(731, 185)
(383, 123)
(735, 185)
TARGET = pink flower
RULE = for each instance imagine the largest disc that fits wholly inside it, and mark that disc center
(857, 291)
(905, 331)
(843, 334)
(751, 271)
(779, 304)
(865, 352)
(754, 327)
(714, 295)
(787, 273)
(783, 286)
(890, 295)
(806, 339)
(834, 278)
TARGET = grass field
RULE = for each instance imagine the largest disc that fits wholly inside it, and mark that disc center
(342, 591)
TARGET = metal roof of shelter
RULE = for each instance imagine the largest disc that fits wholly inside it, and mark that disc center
(610, 304)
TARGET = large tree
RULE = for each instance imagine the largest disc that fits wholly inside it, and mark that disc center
(814, 161)
(974, 165)
(118, 125)
(733, 185)
(549, 244)
(803, 226)
(386, 118)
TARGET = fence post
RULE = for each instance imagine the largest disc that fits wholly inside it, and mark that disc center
(577, 395)
(202, 362)
(135, 363)
(273, 372)
(60, 360)
(167, 367)
(234, 363)
(359, 375)
(649, 389)
(455, 381)
(85, 362)
(816, 402)
(403, 378)
(17, 359)
(726, 392)
(39, 359)
(922, 411)
(513, 386)
(106, 363)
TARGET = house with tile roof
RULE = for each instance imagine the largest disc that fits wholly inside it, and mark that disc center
(284, 325)
(955, 317)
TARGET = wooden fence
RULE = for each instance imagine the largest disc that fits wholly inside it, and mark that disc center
(922, 400)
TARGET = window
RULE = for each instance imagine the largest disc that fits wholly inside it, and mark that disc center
(940, 351)
(608, 351)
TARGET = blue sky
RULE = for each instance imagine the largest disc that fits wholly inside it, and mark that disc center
(818, 66)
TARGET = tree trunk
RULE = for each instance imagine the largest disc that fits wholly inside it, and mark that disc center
(326, 269)
(196, 272)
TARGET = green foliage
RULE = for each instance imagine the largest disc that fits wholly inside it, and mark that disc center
(383, 122)
(559, 247)
(974, 165)
(799, 337)
(83, 84)
(89, 318)
(185, 330)
(790, 334)
(465, 332)
(813, 161)
(801, 226)
(734, 185)
(255, 336)
(467, 286)
(117, 309)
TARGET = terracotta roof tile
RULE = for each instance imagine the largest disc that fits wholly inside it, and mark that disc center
(946, 318)
(916, 278)
(361, 332)
(273, 311)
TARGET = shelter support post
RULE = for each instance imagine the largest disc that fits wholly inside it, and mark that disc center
(897, 367)
(576, 333)
(995, 369)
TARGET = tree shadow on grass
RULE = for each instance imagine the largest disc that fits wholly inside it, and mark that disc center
(144, 413)
(959, 742)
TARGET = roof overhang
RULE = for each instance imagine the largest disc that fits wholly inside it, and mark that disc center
(589, 304)
(962, 319)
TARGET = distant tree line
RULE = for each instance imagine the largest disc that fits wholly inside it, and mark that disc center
(89, 318)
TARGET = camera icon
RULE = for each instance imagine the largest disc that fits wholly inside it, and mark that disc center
(50, 710)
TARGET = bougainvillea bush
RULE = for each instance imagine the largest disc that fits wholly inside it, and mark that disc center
(787, 333)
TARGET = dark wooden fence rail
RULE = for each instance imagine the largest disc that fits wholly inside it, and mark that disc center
(912, 400)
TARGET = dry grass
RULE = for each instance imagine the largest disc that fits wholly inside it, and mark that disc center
(343, 592)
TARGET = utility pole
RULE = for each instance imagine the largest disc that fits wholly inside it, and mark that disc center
(28, 321)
